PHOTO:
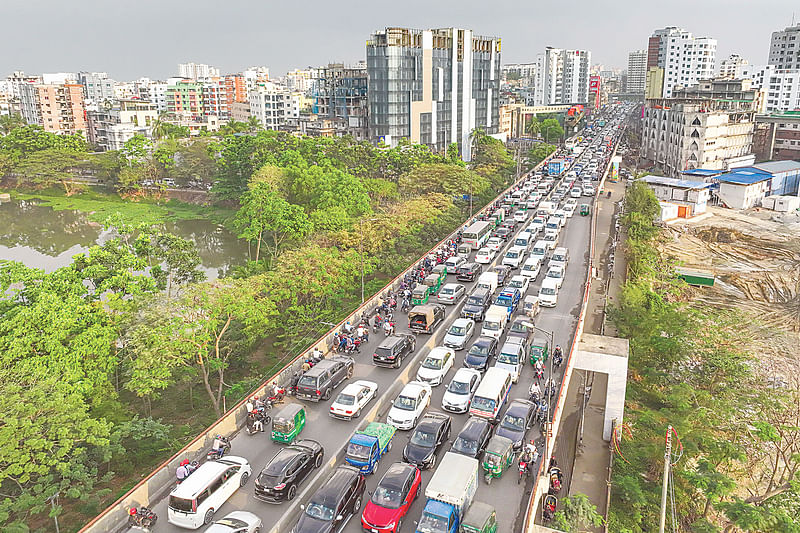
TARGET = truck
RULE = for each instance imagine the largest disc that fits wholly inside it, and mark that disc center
(449, 492)
(509, 297)
(495, 321)
(366, 447)
(555, 167)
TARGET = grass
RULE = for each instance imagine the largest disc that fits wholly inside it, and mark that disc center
(100, 205)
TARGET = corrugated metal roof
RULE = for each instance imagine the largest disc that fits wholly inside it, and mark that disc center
(743, 177)
(701, 172)
(778, 166)
(673, 182)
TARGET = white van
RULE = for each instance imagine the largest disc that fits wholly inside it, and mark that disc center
(524, 240)
(488, 281)
(560, 257)
(514, 257)
(548, 207)
(491, 395)
(548, 294)
(494, 323)
(553, 224)
(531, 267)
(540, 250)
(192, 504)
(511, 358)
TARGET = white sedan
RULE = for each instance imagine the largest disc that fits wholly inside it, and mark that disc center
(569, 210)
(349, 403)
(409, 405)
(236, 522)
(556, 273)
(520, 282)
(459, 392)
(494, 243)
(485, 255)
(437, 363)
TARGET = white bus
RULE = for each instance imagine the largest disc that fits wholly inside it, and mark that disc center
(477, 234)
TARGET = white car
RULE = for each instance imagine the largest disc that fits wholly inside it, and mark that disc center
(556, 273)
(450, 293)
(459, 392)
(485, 255)
(453, 263)
(588, 191)
(521, 216)
(537, 225)
(561, 215)
(438, 363)
(494, 243)
(519, 282)
(459, 334)
(576, 192)
(569, 210)
(409, 405)
(514, 257)
(349, 403)
(531, 267)
(236, 522)
(550, 237)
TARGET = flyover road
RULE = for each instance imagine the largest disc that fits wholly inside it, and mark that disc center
(505, 495)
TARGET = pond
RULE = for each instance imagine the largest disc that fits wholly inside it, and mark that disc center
(41, 237)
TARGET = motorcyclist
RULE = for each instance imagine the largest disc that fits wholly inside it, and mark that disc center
(535, 391)
(219, 444)
(388, 328)
(558, 355)
(317, 354)
(182, 472)
(539, 367)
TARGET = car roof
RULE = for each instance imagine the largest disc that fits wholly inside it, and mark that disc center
(462, 321)
(474, 427)
(284, 457)
(451, 285)
(193, 485)
(432, 420)
(465, 374)
(481, 341)
(352, 388)
(396, 476)
(412, 388)
(390, 341)
(330, 493)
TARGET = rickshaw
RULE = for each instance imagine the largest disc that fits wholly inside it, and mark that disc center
(434, 281)
(548, 508)
(555, 480)
(584, 210)
(441, 270)
(539, 351)
(420, 295)
(480, 518)
(530, 306)
(498, 456)
(288, 423)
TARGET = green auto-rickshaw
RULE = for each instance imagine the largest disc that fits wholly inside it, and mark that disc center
(441, 270)
(584, 209)
(498, 456)
(420, 295)
(288, 423)
(480, 518)
(434, 281)
(539, 350)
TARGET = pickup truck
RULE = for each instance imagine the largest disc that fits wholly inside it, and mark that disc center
(366, 447)
(450, 492)
(495, 321)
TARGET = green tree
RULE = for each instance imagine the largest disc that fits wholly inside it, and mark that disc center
(534, 127)
(575, 513)
(539, 152)
(253, 124)
(45, 168)
(551, 130)
(10, 122)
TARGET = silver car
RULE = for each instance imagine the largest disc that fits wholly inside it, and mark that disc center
(451, 293)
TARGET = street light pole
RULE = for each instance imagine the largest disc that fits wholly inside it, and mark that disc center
(361, 251)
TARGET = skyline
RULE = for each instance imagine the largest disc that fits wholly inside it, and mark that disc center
(131, 43)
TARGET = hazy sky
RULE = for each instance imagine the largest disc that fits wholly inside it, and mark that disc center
(150, 37)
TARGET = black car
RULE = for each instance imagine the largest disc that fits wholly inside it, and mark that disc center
(279, 479)
(503, 273)
(473, 437)
(394, 349)
(516, 422)
(469, 271)
(430, 433)
(503, 232)
(476, 305)
(509, 223)
(519, 328)
(334, 503)
(481, 353)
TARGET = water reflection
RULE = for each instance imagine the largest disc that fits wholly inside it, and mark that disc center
(43, 238)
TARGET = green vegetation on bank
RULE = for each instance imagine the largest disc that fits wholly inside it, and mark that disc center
(110, 364)
(692, 367)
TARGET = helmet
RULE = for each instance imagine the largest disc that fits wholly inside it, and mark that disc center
(184, 462)
(132, 511)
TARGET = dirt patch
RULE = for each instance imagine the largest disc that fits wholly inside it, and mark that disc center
(755, 256)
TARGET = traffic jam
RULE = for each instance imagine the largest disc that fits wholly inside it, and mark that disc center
(486, 322)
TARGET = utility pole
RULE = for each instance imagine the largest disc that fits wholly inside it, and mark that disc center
(667, 460)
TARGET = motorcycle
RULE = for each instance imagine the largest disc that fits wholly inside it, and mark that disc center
(190, 467)
(143, 518)
(257, 420)
(220, 447)
(388, 328)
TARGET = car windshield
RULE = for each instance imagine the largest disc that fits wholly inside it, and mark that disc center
(458, 387)
(457, 330)
(519, 327)
(479, 349)
(474, 300)
(516, 283)
(405, 403)
(465, 446)
(554, 274)
(516, 423)
(307, 381)
(358, 451)
(434, 363)
(387, 497)
(346, 399)
(432, 524)
(548, 291)
(424, 439)
(512, 254)
(483, 404)
(320, 512)
(508, 358)
(447, 290)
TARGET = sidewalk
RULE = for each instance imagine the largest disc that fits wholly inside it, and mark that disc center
(585, 457)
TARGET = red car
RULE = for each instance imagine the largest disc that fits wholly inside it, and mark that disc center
(392, 498)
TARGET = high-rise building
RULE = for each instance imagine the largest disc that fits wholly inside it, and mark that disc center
(519, 74)
(732, 67)
(197, 71)
(595, 85)
(562, 76)
(154, 92)
(433, 87)
(98, 88)
(340, 94)
(300, 80)
(781, 86)
(684, 58)
(708, 125)
(253, 76)
(274, 105)
(57, 108)
(637, 72)
(784, 48)
(185, 99)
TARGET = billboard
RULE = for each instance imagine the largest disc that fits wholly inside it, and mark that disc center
(614, 174)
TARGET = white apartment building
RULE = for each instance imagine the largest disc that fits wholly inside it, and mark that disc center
(562, 76)
(255, 75)
(733, 67)
(525, 72)
(273, 105)
(300, 80)
(98, 88)
(154, 92)
(781, 86)
(197, 71)
(637, 72)
(784, 48)
(59, 78)
(684, 58)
